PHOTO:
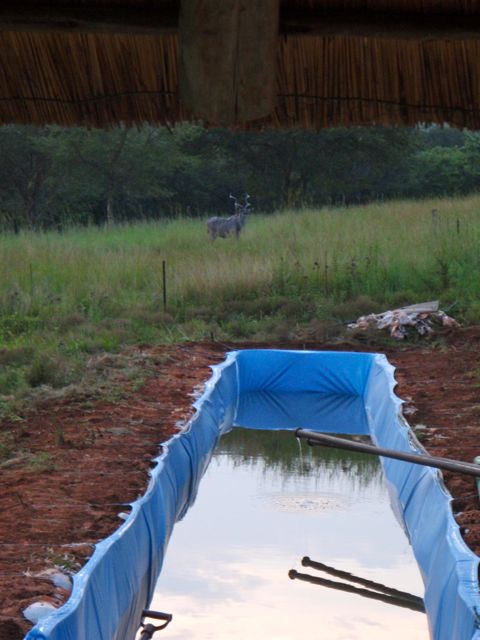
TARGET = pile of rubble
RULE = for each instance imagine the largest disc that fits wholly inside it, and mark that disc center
(420, 318)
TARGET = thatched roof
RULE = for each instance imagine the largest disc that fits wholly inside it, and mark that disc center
(335, 62)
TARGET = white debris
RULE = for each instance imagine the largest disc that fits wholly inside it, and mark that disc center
(422, 318)
(409, 410)
(62, 581)
(38, 610)
(57, 577)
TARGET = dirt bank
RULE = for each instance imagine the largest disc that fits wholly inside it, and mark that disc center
(87, 458)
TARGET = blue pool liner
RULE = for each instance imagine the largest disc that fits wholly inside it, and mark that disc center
(117, 583)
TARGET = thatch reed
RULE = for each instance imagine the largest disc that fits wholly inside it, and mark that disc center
(101, 80)
(92, 80)
(326, 82)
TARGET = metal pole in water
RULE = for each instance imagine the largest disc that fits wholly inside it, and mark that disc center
(369, 584)
(348, 588)
(446, 464)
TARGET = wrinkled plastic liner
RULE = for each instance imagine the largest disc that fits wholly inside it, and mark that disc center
(118, 581)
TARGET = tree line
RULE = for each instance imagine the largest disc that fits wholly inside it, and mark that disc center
(51, 177)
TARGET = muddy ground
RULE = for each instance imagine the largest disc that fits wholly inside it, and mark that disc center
(79, 460)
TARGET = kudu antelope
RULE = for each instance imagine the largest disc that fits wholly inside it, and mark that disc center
(224, 227)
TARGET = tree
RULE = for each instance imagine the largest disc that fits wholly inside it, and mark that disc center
(440, 171)
(51, 177)
(24, 170)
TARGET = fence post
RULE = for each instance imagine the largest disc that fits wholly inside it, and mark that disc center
(31, 280)
(164, 281)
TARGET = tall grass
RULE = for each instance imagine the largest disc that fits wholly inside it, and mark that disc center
(84, 290)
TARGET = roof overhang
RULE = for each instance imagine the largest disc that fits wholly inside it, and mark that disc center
(240, 62)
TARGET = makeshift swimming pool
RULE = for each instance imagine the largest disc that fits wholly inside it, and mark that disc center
(262, 506)
(112, 589)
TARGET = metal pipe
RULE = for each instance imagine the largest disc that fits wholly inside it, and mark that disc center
(476, 460)
(446, 464)
(370, 584)
(348, 588)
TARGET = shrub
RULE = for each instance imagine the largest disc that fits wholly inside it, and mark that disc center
(47, 369)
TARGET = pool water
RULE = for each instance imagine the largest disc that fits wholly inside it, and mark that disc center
(264, 503)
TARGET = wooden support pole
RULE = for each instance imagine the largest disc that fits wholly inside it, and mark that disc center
(228, 55)
(314, 438)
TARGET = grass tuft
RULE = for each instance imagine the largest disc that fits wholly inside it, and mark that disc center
(41, 462)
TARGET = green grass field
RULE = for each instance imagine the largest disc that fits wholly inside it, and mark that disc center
(65, 296)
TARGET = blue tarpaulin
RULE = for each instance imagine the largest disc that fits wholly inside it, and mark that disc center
(117, 583)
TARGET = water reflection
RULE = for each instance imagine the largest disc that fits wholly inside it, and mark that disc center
(226, 572)
(278, 454)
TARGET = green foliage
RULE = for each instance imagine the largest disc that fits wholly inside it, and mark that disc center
(11, 381)
(7, 446)
(435, 136)
(47, 369)
(52, 178)
(441, 171)
(350, 310)
(59, 436)
(16, 355)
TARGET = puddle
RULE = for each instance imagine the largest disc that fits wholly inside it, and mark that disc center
(263, 505)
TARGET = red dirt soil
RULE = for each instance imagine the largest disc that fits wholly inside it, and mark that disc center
(100, 454)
